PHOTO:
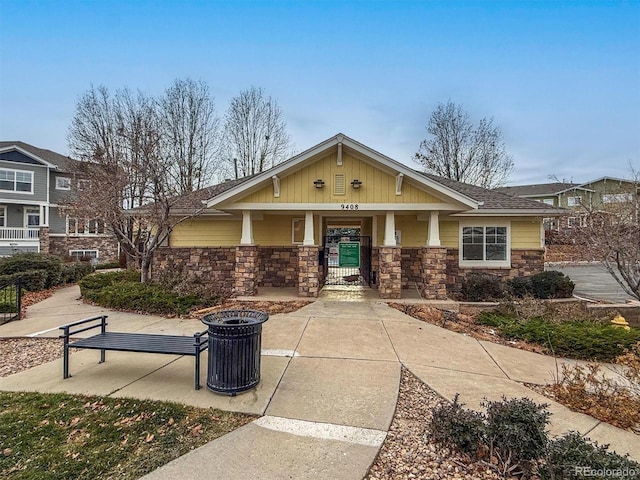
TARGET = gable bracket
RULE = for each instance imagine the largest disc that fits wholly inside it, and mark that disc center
(399, 178)
(276, 186)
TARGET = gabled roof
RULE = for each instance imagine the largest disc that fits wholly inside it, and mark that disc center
(299, 161)
(474, 199)
(496, 202)
(540, 189)
(47, 157)
(614, 179)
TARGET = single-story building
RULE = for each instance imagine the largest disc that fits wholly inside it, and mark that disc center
(342, 213)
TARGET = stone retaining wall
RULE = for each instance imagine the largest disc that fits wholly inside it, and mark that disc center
(277, 266)
(523, 263)
(213, 266)
(106, 245)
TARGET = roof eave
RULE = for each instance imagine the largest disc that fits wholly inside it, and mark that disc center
(29, 154)
(510, 212)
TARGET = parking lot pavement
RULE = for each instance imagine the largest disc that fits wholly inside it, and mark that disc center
(593, 281)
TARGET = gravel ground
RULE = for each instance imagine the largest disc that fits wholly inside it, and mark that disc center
(23, 353)
(407, 452)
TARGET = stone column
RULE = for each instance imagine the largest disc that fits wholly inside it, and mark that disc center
(434, 273)
(390, 272)
(246, 270)
(308, 271)
(44, 240)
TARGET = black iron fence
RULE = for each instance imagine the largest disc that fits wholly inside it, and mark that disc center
(10, 301)
(347, 260)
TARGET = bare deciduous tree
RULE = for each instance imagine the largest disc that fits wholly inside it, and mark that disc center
(190, 133)
(462, 152)
(611, 232)
(255, 134)
(119, 139)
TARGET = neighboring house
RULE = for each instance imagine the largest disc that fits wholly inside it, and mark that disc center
(35, 185)
(580, 199)
(394, 228)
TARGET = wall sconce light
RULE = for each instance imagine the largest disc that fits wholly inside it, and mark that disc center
(319, 183)
(356, 184)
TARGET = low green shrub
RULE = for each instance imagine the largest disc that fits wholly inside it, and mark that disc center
(512, 434)
(145, 297)
(74, 272)
(91, 285)
(456, 427)
(32, 280)
(482, 287)
(573, 457)
(108, 265)
(26, 262)
(551, 284)
(515, 431)
(584, 339)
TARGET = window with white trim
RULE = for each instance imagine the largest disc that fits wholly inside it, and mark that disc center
(32, 217)
(617, 197)
(84, 185)
(83, 254)
(547, 201)
(574, 201)
(16, 181)
(573, 222)
(3, 216)
(297, 230)
(63, 183)
(484, 245)
(82, 226)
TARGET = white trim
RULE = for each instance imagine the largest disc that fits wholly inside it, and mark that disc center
(293, 230)
(247, 228)
(299, 161)
(389, 229)
(336, 206)
(433, 230)
(514, 212)
(484, 263)
(309, 237)
(26, 213)
(84, 250)
(399, 178)
(28, 154)
(58, 187)
(15, 181)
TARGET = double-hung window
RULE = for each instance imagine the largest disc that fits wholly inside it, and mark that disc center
(16, 181)
(484, 246)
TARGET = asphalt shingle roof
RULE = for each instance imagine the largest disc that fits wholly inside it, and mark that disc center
(537, 189)
(491, 199)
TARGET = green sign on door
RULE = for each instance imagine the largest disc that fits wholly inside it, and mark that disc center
(349, 254)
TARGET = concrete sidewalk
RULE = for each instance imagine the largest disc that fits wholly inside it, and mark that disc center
(330, 376)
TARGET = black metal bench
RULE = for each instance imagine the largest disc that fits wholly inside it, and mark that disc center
(131, 342)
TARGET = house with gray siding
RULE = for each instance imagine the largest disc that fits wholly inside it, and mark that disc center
(36, 185)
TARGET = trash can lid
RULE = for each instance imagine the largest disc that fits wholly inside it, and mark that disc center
(235, 317)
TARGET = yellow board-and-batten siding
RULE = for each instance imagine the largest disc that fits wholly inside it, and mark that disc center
(276, 230)
(377, 186)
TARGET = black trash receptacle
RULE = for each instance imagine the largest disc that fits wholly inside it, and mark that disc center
(235, 340)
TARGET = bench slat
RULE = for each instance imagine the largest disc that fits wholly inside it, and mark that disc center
(141, 342)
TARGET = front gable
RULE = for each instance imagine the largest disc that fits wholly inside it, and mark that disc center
(339, 165)
(15, 154)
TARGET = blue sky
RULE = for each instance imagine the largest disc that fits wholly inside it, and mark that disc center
(562, 79)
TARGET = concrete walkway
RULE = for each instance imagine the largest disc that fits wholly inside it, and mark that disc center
(330, 376)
